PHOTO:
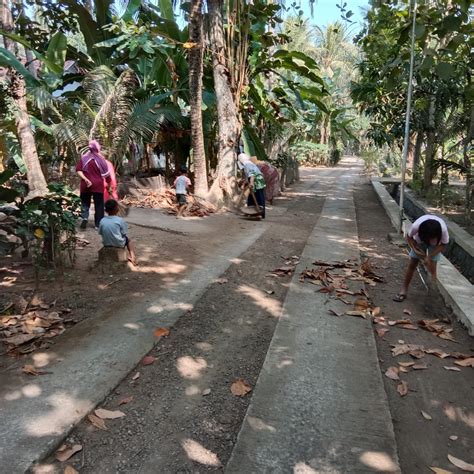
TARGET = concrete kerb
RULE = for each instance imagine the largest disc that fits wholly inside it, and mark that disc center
(456, 290)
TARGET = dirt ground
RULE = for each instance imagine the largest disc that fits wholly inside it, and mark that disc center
(172, 418)
(182, 417)
(444, 395)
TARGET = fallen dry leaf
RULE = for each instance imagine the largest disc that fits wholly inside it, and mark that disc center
(126, 400)
(402, 348)
(465, 362)
(148, 360)
(136, 376)
(240, 388)
(454, 369)
(406, 364)
(206, 391)
(420, 366)
(408, 326)
(269, 292)
(382, 331)
(380, 320)
(70, 470)
(221, 281)
(361, 304)
(402, 388)
(65, 452)
(453, 437)
(97, 422)
(360, 314)
(31, 370)
(463, 465)
(376, 311)
(407, 311)
(438, 470)
(417, 354)
(426, 416)
(438, 353)
(161, 332)
(392, 373)
(108, 414)
(399, 321)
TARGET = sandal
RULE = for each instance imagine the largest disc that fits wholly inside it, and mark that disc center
(400, 297)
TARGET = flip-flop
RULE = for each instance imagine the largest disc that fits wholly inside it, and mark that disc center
(399, 298)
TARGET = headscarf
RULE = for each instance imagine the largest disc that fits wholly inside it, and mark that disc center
(94, 155)
(246, 164)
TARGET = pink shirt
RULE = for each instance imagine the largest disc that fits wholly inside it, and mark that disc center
(413, 232)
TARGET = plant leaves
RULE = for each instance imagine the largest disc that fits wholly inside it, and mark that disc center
(161, 332)
(31, 370)
(240, 388)
(148, 360)
(136, 376)
(65, 452)
(70, 470)
(438, 353)
(438, 470)
(392, 373)
(382, 331)
(407, 311)
(402, 388)
(464, 466)
(420, 366)
(97, 422)
(454, 369)
(108, 414)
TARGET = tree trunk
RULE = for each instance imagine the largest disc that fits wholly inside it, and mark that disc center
(36, 182)
(417, 152)
(430, 148)
(195, 60)
(467, 153)
(411, 152)
(227, 113)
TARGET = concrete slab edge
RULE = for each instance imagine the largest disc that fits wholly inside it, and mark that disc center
(457, 291)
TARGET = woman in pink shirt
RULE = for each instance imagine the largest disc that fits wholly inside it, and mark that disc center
(92, 168)
(427, 238)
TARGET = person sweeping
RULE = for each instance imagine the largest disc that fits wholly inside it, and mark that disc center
(255, 181)
(427, 238)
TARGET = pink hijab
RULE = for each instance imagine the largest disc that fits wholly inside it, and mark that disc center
(94, 155)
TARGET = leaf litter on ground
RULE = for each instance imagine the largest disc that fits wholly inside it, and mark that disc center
(97, 422)
(125, 400)
(240, 388)
(66, 451)
(161, 332)
(402, 388)
(459, 463)
(108, 414)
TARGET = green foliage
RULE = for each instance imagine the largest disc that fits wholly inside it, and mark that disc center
(311, 154)
(48, 225)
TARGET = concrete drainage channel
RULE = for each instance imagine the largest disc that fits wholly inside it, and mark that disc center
(457, 291)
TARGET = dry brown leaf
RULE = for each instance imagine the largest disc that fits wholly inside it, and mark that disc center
(382, 331)
(453, 437)
(447, 336)
(420, 366)
(361, 304)
(408, 326)
(108, 414)
(402, 348)
(376, 311)
(206, 391)
(438, 470)
(360, 314)
(438, 353)
(465, 362)
(406, 364)
(463, 465)
(65, 452)
(380, 320)
(399, 321)
(240, 388)
(148, 360)
(222, 281)
(136, 376)
(97, 422)
(407, 311)
(31, 370)
(417, 354)
(454, 369)
(161, 332)
(426, 416)
(70, 470)
(126, 400)
(392, 373)
(402, 388)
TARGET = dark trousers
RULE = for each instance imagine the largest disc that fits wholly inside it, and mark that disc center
(260, 197)
(98, 204)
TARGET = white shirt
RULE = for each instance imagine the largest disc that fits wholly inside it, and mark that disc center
(181, 183)
(413, 232)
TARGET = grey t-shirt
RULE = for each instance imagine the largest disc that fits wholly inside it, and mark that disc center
(113, 230)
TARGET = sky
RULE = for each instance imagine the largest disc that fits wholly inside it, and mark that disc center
(325, 11)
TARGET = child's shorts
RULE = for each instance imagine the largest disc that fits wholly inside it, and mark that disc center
(424, 247)
(181, 198)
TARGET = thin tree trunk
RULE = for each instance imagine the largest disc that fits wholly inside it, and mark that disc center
(430, 147)
(467, 153)
(195, 60)
(227, 113)
(417, 152)
(36, 182)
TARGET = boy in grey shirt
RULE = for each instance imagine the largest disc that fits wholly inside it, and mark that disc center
(113, 230)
